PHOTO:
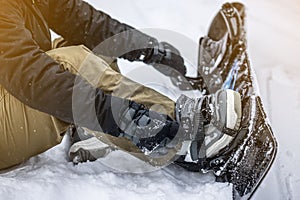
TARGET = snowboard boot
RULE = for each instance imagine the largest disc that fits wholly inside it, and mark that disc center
(86, 147)
(210, 122)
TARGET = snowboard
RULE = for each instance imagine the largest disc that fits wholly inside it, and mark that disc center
(224, 64)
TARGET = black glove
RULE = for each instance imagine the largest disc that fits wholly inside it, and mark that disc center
(166, 58)
(147, 129)
(162, 56)
(161, 139)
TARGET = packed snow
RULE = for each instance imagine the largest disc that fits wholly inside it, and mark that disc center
(273, 41)
(51, 176)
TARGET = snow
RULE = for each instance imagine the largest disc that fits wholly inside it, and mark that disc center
(50, 176)
(273, 30)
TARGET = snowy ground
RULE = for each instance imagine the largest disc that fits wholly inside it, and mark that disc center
(273, 30)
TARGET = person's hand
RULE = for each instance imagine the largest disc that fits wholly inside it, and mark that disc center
(166, 59)
(163, 56)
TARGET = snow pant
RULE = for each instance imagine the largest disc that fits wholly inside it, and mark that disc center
(25, 132)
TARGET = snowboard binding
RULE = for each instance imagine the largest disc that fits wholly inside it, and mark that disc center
(223, 64)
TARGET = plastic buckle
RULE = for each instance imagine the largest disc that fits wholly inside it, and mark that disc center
(159, 53)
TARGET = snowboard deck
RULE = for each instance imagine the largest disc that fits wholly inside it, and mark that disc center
(247, 160)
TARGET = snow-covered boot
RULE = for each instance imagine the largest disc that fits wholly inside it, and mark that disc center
(86, 147)
(211, 122)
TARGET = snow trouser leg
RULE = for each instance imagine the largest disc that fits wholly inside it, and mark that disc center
(25, 132)
(80, 60)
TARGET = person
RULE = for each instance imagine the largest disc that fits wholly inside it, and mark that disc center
(47, 88)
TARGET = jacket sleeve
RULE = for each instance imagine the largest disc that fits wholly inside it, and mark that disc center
(80, 23)
(38, 81)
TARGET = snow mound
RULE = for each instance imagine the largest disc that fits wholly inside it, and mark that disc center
(51, 176)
